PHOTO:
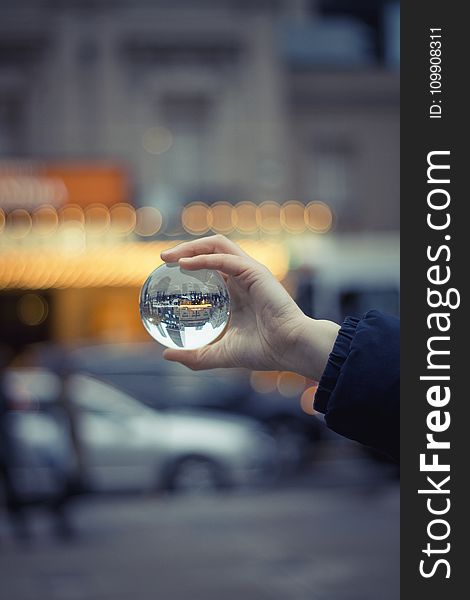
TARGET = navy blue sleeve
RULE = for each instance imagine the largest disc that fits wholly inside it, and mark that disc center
(359, 391)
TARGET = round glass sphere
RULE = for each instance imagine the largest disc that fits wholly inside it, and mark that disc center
(184, 309)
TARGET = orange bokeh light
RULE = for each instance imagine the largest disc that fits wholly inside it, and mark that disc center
(149, 221)
(246, 217)
(263, 382)
(195, 218)
(293, 217)
(290, 384)
(306, 400)
(318, 217)
(123, 218)
(222, 217)
(269, 217)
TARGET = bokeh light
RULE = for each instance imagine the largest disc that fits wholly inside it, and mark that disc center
(45, 220)
(123, 218)
(263, 382)
(148, 221)
(269, 217)
(72, 213)
(246, 217)
(195, 218)
(292, 217)
(32, 309)
(157, 140)
(318, 217)
(19, 223)
(290, 384)
(222, 217)
(97, 219)
(306, 400)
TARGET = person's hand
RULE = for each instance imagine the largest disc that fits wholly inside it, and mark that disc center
(267, 330)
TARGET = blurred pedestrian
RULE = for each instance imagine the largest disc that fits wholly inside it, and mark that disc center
(69, 462)
(63, 368)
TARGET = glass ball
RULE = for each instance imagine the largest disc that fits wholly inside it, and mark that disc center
(184, 309)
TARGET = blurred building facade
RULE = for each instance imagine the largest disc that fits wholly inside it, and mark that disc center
(162, 104)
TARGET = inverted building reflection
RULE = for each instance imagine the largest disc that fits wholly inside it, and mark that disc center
(173, 313)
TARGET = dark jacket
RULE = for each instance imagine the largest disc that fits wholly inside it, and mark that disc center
(359, 391)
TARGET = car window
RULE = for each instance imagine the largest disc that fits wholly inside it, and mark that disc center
(99, 397)
(179, 389)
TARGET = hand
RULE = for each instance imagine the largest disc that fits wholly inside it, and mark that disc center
(267, 330)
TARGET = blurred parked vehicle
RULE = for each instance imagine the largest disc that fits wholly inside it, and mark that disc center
(139, 370)
(129, 446)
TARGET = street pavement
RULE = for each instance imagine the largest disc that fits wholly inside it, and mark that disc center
(294, 542)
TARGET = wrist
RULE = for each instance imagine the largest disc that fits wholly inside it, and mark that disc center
(311, 343)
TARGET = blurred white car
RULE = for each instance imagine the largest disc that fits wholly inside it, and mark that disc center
(128, 445)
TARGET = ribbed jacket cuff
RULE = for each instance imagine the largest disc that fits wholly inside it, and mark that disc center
(335, 361)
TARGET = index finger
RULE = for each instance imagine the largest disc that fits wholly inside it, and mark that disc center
(214, 244)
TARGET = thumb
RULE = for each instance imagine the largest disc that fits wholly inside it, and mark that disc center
(202, 358)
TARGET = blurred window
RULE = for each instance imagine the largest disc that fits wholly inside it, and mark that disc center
(95, 396)
(332, 41)
(11, 125)
(368, 13)
(188, 118)
(166, 54)
(329, 174)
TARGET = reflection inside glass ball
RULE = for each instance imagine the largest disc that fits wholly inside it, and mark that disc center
(184, 309)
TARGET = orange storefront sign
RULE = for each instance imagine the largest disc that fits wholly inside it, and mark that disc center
(89, 183)
(28, 185)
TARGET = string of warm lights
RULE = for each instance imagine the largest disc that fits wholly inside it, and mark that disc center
(126, 264)
(197, 218)
(95, 219)
(97, 245)
(247, 218)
